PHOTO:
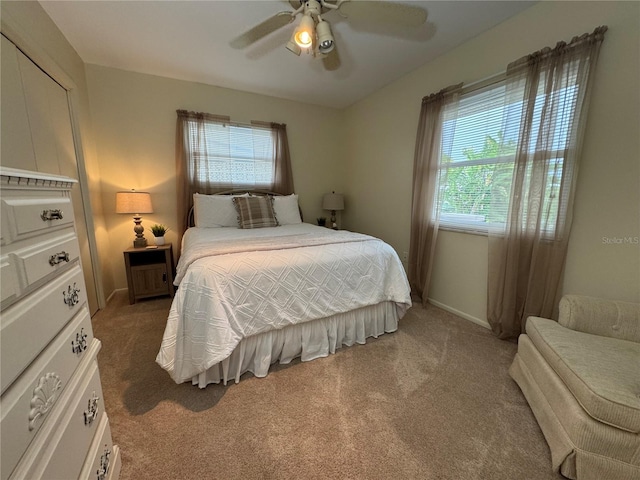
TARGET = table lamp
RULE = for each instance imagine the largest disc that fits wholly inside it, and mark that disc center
(333, 201)
(135, 203)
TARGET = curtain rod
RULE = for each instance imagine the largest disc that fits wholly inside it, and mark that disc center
(239, 124)
(252, 124)
(485, 82)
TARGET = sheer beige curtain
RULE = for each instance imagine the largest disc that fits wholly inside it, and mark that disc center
(426, 181)
(282, 175)
(526, 263)
(191, 174)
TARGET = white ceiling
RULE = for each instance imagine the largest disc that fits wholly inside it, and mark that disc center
(189, 40)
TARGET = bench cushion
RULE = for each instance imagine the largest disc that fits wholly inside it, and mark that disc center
(602, 373)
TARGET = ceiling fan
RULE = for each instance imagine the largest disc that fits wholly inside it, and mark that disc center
(313, 32)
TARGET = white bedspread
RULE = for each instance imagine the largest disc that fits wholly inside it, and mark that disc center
(237, 283)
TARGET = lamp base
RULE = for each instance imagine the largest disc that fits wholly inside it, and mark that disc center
(140, 243)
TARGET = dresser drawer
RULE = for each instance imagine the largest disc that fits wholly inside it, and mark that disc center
(103, 461)
(33, 265)
(29, 401)
(60, 450)
(28, 217)
(40, 260)
(116, 461)
(30, 324)
(9, 285)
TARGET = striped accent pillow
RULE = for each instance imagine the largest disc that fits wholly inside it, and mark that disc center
(255, 212)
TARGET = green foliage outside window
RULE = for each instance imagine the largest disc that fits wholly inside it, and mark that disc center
(481, 188)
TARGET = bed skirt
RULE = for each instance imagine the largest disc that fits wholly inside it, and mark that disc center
(309, 340)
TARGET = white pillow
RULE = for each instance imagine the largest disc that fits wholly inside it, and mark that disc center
(214, 211)
(286, 209)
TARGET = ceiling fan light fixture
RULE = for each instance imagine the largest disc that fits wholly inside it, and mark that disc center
(293, 47)
(304, 34)
(325, 38)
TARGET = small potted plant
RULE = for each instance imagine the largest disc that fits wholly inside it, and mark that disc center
(322, 221)
(158, 231)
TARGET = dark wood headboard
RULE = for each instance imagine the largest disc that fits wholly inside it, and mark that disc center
(191, 218)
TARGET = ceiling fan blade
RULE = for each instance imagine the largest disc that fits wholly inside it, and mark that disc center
(261, 30)
(384, 12)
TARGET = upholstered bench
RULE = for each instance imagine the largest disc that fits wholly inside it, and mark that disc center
(581, 377)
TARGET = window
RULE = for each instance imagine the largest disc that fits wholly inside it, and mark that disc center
(479, 142)
(232, 155)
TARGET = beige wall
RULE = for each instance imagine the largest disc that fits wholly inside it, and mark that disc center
(380, 138)
(127, 124)
(135, 121)
(28, 25)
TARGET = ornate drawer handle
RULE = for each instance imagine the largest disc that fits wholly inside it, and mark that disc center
(51, 215)
(91, 412)
(104, 464)
(79, 345)
(44, 396)
(71, 296)
(58, 258)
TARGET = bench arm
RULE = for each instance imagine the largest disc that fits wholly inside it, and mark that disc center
(607, 318)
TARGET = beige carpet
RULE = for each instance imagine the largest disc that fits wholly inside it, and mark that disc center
(430, 401)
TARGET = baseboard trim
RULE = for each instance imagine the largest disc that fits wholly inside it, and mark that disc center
(114, 292)
(466, 316)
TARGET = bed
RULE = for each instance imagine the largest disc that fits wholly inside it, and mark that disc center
(250, 297)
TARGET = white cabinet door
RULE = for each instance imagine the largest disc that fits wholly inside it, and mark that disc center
(17, 146)
(60, 124)
(36, 85)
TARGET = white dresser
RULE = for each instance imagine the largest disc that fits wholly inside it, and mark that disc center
(53, 423)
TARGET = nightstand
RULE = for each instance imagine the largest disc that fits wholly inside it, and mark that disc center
(149, 272)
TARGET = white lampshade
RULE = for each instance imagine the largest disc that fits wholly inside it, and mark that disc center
(133, 202)
(333, 201)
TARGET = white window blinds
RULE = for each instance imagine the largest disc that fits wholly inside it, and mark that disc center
(233, 155)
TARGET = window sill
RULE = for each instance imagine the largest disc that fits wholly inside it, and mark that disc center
(480, 232)
(466, 230)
